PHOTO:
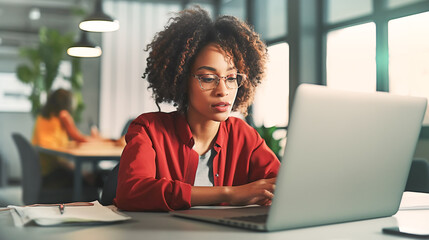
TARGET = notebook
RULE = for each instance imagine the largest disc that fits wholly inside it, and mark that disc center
(347, 158)
(78, 213)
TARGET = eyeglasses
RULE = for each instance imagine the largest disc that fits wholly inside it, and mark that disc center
(211, 81)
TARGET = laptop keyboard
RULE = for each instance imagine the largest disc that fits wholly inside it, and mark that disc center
(255, 218)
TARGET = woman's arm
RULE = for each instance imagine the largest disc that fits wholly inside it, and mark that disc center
(151, 180)
(144, 182)
(70, 127)
(259, 192)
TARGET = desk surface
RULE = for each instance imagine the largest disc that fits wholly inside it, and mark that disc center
(149, 225)
(83, 150)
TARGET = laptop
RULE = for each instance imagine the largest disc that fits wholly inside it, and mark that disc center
(347, 158)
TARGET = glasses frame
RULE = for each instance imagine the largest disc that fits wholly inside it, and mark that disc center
(218, 78)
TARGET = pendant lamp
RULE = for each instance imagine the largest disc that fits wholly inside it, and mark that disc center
(84, 48)
(99, 21)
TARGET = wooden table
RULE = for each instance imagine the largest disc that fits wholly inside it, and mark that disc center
(85, 152)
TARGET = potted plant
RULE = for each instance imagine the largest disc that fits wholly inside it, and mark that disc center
(42, 65)
(267, 133)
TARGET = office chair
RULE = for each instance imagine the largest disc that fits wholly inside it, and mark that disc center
(108, 165)
(32, 181)
(32, 191)
(31, 172)
(126, 126)
(418, 178)
(109, 188)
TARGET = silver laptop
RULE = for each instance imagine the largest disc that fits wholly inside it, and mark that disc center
(347, 158)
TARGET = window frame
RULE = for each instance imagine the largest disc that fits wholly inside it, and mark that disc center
(381, 16)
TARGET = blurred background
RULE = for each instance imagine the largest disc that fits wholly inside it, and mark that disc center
(366, 45)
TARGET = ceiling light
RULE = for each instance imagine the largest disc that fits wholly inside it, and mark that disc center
(99, 21)
(84, 48)
(34, 14)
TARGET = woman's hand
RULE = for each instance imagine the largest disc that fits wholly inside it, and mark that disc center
(260, 192)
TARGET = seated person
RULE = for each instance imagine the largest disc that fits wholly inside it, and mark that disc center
(55, 128)
(198, 155)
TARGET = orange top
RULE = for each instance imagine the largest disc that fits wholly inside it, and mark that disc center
(49, 133)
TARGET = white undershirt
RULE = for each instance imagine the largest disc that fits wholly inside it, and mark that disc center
(204, 174)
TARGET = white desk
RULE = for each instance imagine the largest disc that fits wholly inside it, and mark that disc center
(153, 226)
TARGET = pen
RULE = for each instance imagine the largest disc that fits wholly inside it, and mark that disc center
(61, 207)
(73, 204)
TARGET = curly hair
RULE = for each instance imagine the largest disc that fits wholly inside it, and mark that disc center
(173, 51)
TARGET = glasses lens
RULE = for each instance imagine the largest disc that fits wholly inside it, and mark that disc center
(231, 81)
(208, 81)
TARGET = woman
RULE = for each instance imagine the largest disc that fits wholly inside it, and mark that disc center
(198, 155)
(54, 128)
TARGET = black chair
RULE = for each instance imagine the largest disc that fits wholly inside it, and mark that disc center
(32, 180)
(109, 188)
(32, 191)
(418, 178)
(126, 126)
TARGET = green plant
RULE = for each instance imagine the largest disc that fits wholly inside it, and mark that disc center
(267, 133)
(41, 68)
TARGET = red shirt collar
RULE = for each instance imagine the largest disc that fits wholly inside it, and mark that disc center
(185, 135)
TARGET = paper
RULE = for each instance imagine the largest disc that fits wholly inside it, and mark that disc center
(414, 201)
(50, 215)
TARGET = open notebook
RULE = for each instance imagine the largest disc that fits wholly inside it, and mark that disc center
(76, 214)
(347, 158)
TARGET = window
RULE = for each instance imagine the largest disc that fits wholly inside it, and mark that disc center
(204, 4)
(14, 94)
(235, 8)
(270, 18)
(400, 3)
(341, 10)
(350, 63)
(271, 105)
(409, 56)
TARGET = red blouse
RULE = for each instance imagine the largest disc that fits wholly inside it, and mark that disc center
(158, 164)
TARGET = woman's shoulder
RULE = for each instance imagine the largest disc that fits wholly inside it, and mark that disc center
(155, 118)
(239, 129)
(237, 122)
(238, 125)
(63, 115)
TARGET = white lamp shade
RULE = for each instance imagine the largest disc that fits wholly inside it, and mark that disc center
(99, 21)
(84, 47)
(84, 51)
(99, 25)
